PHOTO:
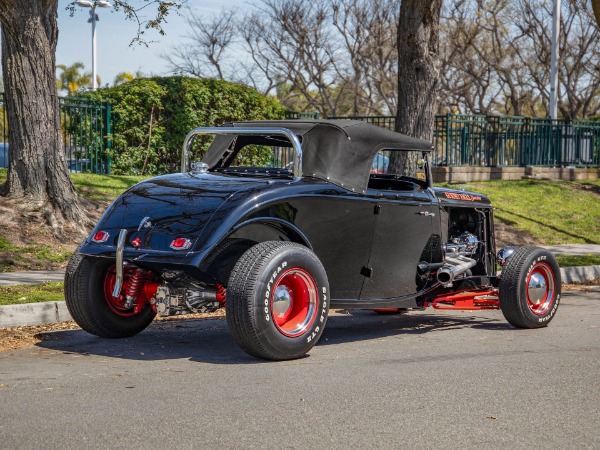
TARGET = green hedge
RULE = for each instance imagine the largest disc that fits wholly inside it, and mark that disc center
(153, 115)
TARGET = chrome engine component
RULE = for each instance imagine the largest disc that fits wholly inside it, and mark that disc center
(504, 254)
(178, 298)
(463, 244)
(453, 267)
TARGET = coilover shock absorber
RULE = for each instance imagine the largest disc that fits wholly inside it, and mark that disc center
(133, 287)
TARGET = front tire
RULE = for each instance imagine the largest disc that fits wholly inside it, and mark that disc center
(530, 288)
(87, 295)
(277, 300)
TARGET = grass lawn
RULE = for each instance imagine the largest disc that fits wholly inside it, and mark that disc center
(31, 256)
(97, 187)
(554, 212)
(103, 187)
(578, 260)
(50, 291)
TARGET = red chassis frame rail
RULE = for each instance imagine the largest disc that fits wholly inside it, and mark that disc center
(471, 300)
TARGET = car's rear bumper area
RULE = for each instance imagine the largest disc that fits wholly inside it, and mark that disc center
(155, 260)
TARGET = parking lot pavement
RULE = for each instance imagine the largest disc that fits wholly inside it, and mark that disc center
(427, 379)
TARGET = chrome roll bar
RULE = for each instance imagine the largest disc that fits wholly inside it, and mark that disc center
(242, 131)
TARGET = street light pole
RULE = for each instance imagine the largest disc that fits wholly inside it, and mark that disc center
(554, 61)
(93, 19)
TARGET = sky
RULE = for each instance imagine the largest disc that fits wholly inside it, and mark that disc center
(114, 34)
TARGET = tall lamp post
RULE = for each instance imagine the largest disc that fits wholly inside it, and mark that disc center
(554, 60)
(93, 19)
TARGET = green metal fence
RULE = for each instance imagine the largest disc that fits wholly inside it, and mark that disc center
(302, 115)
(515, 141)
(477, 140)
(86, 128)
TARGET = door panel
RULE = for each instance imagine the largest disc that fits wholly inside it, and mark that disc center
(402, 238)
(340, 230)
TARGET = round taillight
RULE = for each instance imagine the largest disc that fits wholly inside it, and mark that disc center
(181, 244)
(100, 236)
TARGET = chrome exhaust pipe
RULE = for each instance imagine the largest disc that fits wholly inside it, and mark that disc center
(453, 267)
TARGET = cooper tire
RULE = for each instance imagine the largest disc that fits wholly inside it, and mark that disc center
(530, 288)
(277, 300)
(85, 287)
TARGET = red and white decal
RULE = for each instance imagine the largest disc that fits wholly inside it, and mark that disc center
(459, 196)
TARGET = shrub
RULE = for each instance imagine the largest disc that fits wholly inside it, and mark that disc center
(153, 115)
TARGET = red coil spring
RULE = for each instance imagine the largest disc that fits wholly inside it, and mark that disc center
(221, 294)
(134, 286)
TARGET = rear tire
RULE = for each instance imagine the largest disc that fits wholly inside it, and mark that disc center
(530, 288)
(277, 300)
(85, 287)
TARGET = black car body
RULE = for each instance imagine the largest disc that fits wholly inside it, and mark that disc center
(318, 229)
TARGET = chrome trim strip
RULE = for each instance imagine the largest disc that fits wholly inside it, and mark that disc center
(119, 263)
(246, 131)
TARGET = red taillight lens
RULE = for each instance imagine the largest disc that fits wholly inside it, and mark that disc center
(100, 236)
(137, 242)
(181, 244)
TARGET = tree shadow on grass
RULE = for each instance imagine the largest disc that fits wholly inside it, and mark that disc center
(209, 341)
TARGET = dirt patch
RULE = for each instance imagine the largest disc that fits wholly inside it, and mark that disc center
(584, 286)
(507, 235)
(26, 243)
(587, 188)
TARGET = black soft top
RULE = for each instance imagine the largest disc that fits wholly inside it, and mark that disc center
(340, 151)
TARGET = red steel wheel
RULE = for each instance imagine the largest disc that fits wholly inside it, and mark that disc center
(540, 288)
(277, 300)
(294, 302)
(529, 288)
(89, 282)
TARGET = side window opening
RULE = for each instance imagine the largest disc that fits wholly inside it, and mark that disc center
(398, 170)
(266, 155)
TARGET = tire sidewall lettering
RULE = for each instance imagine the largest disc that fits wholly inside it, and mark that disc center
(321, 314)
(548, 316)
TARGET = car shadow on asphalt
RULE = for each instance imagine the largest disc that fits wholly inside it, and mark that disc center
(209, 341)
(363, 325)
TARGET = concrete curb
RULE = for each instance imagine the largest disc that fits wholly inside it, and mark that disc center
(33, 314)
(579, 274)
(52, 312)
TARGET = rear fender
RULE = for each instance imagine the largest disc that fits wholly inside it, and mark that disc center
(263, 229)
(222, 257)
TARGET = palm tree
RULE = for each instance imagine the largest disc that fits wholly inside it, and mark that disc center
(72, 80)
(123, 77)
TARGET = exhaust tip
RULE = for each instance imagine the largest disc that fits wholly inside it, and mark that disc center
(444, 277)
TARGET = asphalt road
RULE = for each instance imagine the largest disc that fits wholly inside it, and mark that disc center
(423, 380)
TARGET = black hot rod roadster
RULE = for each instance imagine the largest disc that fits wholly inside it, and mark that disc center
(282, 220)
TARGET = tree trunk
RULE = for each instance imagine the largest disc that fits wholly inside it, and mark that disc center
(418, 75)
(418, 67)
(37, 174)
(596, 7)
